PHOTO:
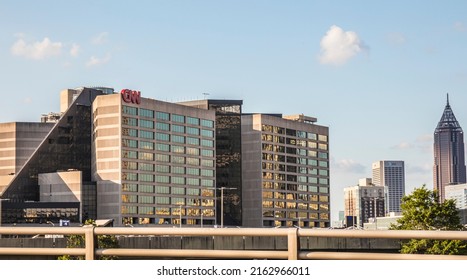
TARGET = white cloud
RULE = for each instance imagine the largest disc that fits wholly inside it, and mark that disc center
(100, 38)
(96, 61)
(349, 165)
(403, 146)
(338, 46)
(36, 50)
(425, 138)
(75, 49)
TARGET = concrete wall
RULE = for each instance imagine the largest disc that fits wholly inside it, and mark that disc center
(61, 186)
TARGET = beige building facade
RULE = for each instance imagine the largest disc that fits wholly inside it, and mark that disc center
(285, 171)
(154, 162)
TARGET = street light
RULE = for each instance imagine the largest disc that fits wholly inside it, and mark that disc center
(222, 203)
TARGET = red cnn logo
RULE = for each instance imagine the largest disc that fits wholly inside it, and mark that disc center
(131, 96)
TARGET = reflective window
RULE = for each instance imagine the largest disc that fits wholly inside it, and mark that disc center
(128, 143)
(178, 139)
(146, 145)
(192, 141)
(146, 166)
(146, 124)
(129, 121)
(162, 116)
(178, 128)
(192, 130)
(162, 136)
(162, 179)
(146, 156)
(146, 113)
(191, 120)
(178, 118)
(146, 134)
(163, 147)
(207, 133)
(163, 168)
(207, 123)
(163, 126)
(129, 110)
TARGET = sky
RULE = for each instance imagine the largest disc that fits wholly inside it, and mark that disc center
(376, 73)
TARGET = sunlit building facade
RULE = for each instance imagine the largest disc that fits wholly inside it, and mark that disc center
(390, 173)
(285, 163)
(153, 161)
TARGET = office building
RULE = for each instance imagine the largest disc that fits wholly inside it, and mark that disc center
(449, 158)
(142, 162)
(285, 171)
(153, 161)
(390, 173)
(363, 202)
(228, 157)
(459, 194)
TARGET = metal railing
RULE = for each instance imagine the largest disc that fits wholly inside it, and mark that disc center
(293, 252)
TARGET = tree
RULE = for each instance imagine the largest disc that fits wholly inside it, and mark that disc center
(103, 241)
(422, 210)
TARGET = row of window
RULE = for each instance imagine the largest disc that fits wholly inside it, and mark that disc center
(294, 178)
(294, 169)
(293, 132)
(293, 150)
(298, 160)
(128, 176)
(294, 187)
(166, 158)
(133, 111)
(295, 196)
(145, 145)
(166, 211)
(294, 215)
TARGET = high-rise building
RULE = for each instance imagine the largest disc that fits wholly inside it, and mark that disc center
(363, 202)
(153, 161)
(285, 171)
(449, 158)
(228, 156)
(390, 173)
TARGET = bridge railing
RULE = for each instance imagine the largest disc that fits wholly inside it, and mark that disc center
(293, 251)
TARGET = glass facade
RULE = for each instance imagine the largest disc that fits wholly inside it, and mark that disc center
(174, 182)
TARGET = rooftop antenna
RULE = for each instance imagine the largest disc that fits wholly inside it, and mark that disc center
(447, 97)
(205, 94)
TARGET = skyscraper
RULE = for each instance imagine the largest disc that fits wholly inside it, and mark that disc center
(390, 173)
(449, 159)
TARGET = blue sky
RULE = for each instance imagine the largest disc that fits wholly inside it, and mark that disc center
(376, 73)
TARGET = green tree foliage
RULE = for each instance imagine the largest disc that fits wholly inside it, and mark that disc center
(103, 241)
(422, 210)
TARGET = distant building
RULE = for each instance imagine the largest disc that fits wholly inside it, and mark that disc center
(382, 223)
(459, 194)
(390, 173)
(363, 202)
(285, 171)
(449, 159)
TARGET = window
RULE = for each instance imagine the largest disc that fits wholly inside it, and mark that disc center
(146, 167)
(180, 191)
(162, 190)
(178, 118)
(322, 138)
(192, 151)
(162, 116)
(207, 143)
(146, 177)
(128, 143)
(178, 128)
(207, 183)
(179, 160)
(146, 134)
(146, 188)
(191, 120)
(163, 168)
(207, 133)
(129, 110)
(129, 187)
(162, 158)
(163, 147)
(127, 176)
(129, 154)
(178, 149)
(129, 165)
(162, 136)
(129, 132)
(207, 163)
(207, 123)
(192, 130)
(192, 181)
(192, 171)
(146, 145)
(163, 126)
(192, 141)
(146, 113)
(162, 179)
(178, 181)
(178, 170)
(146, 156)
(207, 173)
(178, 139)
(146, 124)
(129, 121)
(207, 153)
(192, 161)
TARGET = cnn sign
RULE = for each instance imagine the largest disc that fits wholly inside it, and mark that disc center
(131, 96)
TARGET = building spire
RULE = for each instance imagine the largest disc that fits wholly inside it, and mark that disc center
(447, 98)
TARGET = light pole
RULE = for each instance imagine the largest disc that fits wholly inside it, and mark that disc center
(222, 203)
